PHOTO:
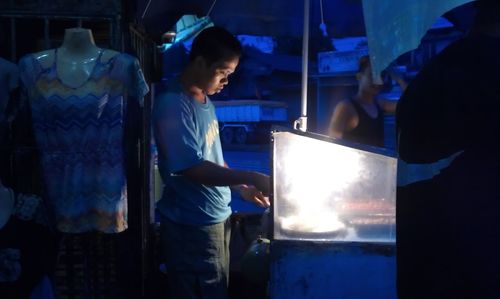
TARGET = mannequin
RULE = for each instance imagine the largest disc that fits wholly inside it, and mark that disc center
(76, 58)
(81, 99)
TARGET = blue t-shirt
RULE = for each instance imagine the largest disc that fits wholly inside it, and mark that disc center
(187, 133)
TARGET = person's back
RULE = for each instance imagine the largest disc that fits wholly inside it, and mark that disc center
(462, 84)
(448, 225)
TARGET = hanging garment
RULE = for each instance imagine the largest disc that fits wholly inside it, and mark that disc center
(80, 138)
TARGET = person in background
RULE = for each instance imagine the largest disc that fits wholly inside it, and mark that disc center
(194, 208)
(448, 224)
(361, 118)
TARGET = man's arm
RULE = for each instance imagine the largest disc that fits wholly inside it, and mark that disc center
(211, 174)
(178, 144)
(340, 120)
(388, 106)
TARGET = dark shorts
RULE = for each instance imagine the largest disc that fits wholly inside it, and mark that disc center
(197, 259)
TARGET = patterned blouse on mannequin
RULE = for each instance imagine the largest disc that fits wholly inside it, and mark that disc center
(79, 126)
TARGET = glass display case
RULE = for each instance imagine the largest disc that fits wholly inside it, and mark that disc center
(328, 190)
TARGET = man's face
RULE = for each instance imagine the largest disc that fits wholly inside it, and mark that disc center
(215, 76)
(366, 83)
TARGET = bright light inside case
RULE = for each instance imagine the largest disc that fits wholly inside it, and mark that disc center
(328, 191)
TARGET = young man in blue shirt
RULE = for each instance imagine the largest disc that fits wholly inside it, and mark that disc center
(194, 207)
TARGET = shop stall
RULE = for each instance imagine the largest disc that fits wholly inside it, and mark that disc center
(333, 228)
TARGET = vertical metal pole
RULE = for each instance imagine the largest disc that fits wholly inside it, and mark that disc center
(13, 39)
(301, 123)
(319, 107)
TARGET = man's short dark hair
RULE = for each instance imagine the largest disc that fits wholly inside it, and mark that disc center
(214, 44)
(488, 12)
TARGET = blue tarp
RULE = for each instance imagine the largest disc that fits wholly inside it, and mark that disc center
(394, 27)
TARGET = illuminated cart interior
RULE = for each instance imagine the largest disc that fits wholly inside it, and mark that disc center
(334, 221)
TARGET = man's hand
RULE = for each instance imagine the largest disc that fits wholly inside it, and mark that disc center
(252, 194)
(398, 78)
(262, 182)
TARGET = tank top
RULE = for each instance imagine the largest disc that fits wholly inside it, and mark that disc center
(370, 130)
